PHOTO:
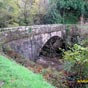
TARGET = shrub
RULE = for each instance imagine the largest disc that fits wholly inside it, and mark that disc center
(76, 66)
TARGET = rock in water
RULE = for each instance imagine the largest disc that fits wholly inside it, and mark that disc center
(1, 83)
(42, 62)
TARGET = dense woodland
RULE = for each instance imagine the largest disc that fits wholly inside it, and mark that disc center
(29, 12)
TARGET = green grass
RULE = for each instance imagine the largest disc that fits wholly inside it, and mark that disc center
(16, 76)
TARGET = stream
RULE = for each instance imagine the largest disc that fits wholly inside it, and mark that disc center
(55, 62)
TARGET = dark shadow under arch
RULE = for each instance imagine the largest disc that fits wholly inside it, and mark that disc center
(52, 47)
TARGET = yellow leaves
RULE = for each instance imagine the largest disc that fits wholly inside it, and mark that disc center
(37, 7)
(37, 1)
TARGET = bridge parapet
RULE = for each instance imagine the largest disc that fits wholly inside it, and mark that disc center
(35, 28)
(14, 33)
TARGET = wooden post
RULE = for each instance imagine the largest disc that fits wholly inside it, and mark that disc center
(82, 20)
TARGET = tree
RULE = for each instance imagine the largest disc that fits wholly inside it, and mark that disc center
(21, 12)
(31, 10)
(52, 16)
(8, 13)
(75, 7)
(66, 11)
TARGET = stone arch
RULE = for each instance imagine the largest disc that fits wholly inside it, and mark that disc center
(51, 47)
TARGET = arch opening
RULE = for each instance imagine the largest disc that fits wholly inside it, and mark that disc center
(52, 48)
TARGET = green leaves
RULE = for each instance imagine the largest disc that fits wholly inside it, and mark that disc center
(68, 66)
(52, 17)
(72, 9)
(77, 53)
(8, 12)
(76, 60)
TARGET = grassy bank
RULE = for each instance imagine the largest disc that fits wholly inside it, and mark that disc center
(12, 75)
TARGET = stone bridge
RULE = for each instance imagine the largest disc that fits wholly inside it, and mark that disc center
(29, 41)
